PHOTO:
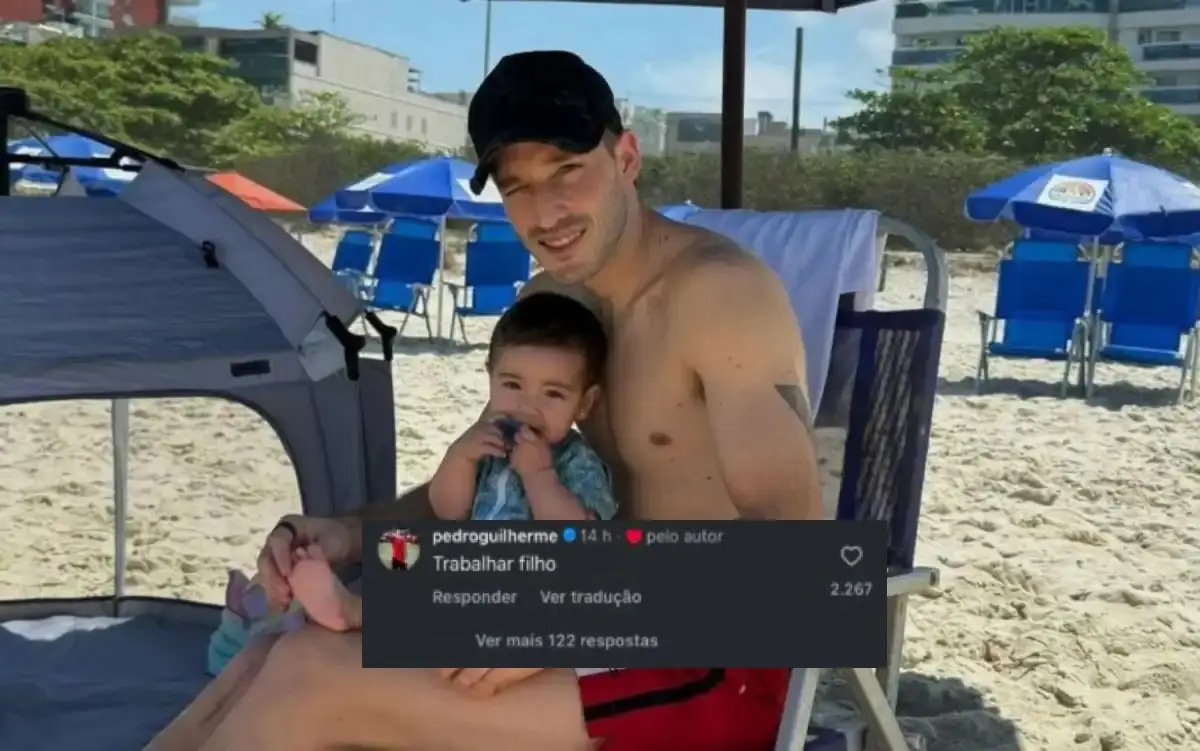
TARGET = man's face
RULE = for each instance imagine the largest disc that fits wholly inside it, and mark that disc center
(569, 209)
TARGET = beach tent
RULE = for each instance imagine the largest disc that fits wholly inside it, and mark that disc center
(172, 288)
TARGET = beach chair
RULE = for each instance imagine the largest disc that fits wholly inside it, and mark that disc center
(352, 259)
(877, 379)
(893, 387)
(1041, 302)
(497, 265)
(1149, 304)
(409, 254)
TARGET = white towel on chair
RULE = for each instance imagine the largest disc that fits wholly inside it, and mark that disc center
(819, 255)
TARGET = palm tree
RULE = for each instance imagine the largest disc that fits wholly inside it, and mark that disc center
(271, 20)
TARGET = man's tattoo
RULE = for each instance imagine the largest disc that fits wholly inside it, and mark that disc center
(795, 398)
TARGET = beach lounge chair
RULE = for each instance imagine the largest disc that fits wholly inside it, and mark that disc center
(497, 265)
(886, 362)
(352, 259)
(409, 254)
(883, 474)
(1041, 308)
(1149, 304)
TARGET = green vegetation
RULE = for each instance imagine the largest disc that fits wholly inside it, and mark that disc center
(1027, 94)
(144, 89)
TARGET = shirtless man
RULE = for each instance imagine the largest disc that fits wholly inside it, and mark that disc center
(705, 417)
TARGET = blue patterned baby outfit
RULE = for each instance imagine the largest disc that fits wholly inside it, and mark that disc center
(499, 495)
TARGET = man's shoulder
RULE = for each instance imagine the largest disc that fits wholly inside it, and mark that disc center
(713, 270)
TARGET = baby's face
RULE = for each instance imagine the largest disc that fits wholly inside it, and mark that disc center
(542, 387)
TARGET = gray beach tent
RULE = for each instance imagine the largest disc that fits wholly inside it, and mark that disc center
(174, 288)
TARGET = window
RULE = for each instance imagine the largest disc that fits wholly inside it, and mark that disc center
(1164, 79)
(242, 47)
(193, 44)
(395, 121)
(697, 130)
(305, 52)
(1171, 52)
(1173, 96)
(424, 129)
(923, 57)
(408, 124)
(1168, 35)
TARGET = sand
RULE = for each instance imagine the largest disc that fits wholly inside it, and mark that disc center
(1068, 534)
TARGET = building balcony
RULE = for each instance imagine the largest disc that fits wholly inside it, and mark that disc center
(1175, 51)
(938, 56)
(1173, 96)
(922, 9)
(1136, 6)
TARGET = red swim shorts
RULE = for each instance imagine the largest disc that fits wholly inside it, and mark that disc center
(684, 709)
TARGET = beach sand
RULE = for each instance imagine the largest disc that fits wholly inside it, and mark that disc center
(1068, 534)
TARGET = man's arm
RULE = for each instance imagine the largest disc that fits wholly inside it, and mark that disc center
(741, 339)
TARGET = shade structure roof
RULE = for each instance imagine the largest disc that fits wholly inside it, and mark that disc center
(828, 7)
(733, 95)
(257, 196)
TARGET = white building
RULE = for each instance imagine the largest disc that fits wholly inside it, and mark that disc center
(381, 87)
(700, 132)
(649, 124)
(1162, 36)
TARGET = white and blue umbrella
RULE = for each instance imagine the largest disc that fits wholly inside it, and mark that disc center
(97, 181)
(327, 212)
(1102, 195)
(434, 187)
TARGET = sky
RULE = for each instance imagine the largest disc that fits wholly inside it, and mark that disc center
(656, 56)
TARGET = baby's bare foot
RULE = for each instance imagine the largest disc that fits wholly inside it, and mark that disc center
(323, 596)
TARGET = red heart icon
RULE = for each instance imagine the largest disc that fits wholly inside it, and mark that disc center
(633, 535)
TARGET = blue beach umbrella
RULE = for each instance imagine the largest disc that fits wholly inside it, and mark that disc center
(1102, 195)
(429, 187)
(97, 181)
(327, 212)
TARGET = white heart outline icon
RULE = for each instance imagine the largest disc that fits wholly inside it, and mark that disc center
(851, 555)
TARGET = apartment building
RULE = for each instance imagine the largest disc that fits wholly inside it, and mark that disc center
(700, 132)
(649, 124)
(95, 17)
(383, 88)
(1162, 36)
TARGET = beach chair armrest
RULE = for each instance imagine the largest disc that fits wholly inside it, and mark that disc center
(911, 582)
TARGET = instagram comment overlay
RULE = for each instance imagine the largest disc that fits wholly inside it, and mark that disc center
(677, 594)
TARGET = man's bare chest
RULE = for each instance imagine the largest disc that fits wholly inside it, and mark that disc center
(653, 400)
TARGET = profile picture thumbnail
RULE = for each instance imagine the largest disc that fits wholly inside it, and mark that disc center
(399, 549)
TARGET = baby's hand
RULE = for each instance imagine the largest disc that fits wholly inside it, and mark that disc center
(531, 454)
(480, 440)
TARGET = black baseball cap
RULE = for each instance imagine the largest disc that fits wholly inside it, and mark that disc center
(547, 96)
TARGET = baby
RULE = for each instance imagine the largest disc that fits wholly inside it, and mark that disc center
(523, 460)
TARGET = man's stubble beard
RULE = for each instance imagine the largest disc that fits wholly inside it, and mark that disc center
(614, 220)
